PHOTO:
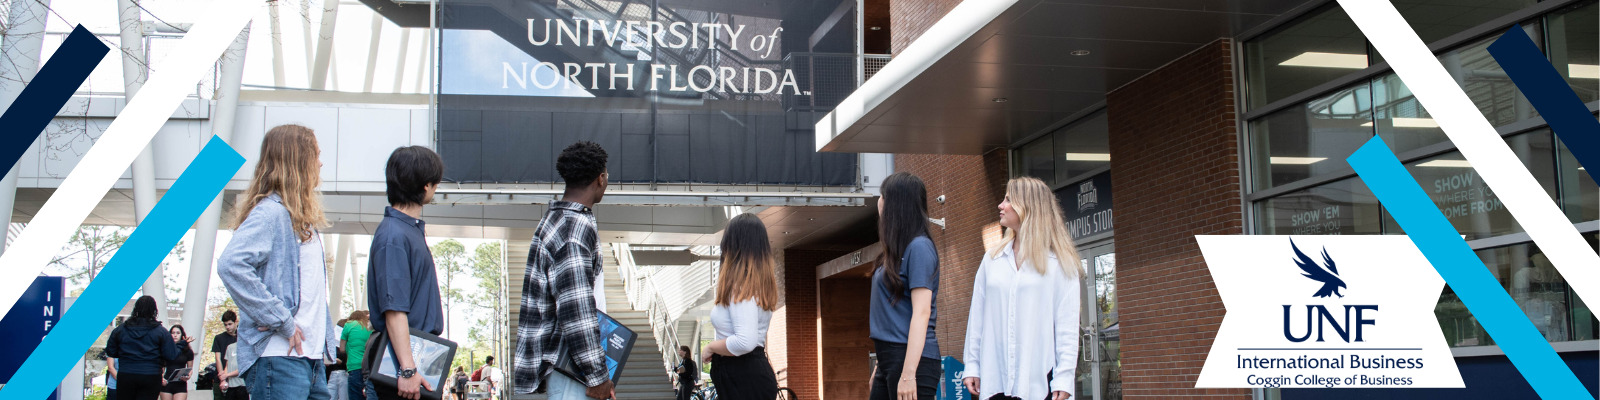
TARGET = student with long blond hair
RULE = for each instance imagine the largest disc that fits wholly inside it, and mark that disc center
(747, 293)
(274, 269)
(1022, 333)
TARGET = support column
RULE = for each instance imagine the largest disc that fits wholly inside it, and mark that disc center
(134, 73)
(22, 47)
(341, 258)
(205, 232)
(319, 68)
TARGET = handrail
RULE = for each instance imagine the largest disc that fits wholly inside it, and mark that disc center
(642, 295)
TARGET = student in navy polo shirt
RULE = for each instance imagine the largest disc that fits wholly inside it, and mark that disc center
(402, 287)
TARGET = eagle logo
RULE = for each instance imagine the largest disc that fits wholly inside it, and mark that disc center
(1329, 276)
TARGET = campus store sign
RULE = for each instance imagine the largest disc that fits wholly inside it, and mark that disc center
(673, 94)
(1088, 206)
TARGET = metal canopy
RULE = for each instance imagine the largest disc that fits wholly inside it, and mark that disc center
(993, 72)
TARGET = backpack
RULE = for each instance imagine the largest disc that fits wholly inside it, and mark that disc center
(207, 379)
(477, 376)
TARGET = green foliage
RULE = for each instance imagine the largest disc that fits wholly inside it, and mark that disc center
(450, 257)
(97, 393)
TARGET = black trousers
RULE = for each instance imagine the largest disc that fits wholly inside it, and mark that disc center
(685, 387)
(138, 386)
(746, 377)
(891, 362)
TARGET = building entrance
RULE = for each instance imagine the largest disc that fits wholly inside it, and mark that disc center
(1099, 360)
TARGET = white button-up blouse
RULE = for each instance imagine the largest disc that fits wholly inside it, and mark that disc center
(1022, 326)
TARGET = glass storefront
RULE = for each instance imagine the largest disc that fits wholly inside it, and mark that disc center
(1078, 148)
(1304, 146)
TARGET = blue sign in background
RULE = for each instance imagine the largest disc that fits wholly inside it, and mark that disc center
(950, 387)
(24, 327)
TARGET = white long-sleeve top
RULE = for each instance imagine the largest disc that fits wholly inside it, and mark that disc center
(1022, 326)
(744, 324)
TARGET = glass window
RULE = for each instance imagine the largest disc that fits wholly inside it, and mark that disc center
(1405, 125)
(1575, 48)
(1082, 147)
(1580, 196)
(1585, 326)
(1344, 207)
(1306, 53)
(1434, 20)
(1466, 200)
(1533, 283)
(1036, 160)
(1301, 142)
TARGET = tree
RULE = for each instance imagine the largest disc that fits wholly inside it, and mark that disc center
(450, 257)
(88, 251)
(488, 267)
(175, 287)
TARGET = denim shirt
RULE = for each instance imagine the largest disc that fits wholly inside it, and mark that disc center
(261, 269)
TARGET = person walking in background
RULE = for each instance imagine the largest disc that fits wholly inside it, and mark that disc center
(141, 348)
(560, 304)
(353, 339)
(274, 269)
(402, 285)
(219, 346)
(337, 372)
(233, 385)
(175, 378)
(747, 293)
(905, 289)
(1022, 333)
(458, 383)
(687, 372)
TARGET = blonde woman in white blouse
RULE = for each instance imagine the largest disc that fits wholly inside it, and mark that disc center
(1022, 335)
(747, 292)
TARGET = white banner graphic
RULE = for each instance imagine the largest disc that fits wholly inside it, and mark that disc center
(1326, 311)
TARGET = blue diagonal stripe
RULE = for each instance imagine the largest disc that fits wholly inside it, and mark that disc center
(127, 270)
(1466, 274)
(50, 89)
(1550, 94)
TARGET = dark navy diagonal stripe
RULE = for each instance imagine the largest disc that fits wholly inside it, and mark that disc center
(1550, 94)
(50, 89)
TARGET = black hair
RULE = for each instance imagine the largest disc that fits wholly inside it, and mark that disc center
(581, 163)
(905, 217)
(684, 349)
(229, 316)
(144, 309)
(410, 170)
(488, 360)
(179, 328)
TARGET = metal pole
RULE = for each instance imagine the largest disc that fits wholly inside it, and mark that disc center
(205, 232)
(134, 73)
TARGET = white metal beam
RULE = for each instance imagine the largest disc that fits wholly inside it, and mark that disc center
(372, 51)
(319, 68)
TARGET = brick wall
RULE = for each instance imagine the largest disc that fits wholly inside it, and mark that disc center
(1174, 163)
(792, 344)
(973, 187)
(908, 19)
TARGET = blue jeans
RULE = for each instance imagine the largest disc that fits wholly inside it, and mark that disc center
(560, 387)
(286, 378)
(357, 386)
(338, 384)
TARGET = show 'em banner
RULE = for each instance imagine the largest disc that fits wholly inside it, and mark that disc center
(1325, 311)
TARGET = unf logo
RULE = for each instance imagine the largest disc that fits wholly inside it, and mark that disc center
(1087, 195)
(1326, 273)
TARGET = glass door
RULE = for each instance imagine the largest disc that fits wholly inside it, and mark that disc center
(1100, 355)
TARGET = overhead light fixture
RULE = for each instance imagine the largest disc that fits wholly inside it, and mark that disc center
(1446, 164)
(1297, 160)
(876, 28)
(785, 232)
(1327, 60)
(1580, 168)
(1079, 52)
(1404, 122)
(1088, 157)
(1000, 100)
(1583, 71)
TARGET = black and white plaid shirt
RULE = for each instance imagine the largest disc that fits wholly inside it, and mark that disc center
(558, 302)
